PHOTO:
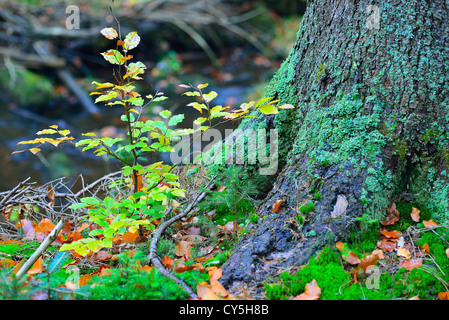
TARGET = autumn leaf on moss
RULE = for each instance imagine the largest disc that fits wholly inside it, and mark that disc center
(37, 267)
(411, 264)
(430, 224)
(425, 249)
(402, 252)
(415, 214)
(352, 258)
(443, 295)
(312, 292)
(394, 234)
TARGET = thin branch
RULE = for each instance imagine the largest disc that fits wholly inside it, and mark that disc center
(40, 250)
(153, 245)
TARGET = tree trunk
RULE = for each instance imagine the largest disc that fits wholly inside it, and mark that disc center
(370, 84)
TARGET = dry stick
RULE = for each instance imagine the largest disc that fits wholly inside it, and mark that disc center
(40, 250)
(9, 195)
(153, 246)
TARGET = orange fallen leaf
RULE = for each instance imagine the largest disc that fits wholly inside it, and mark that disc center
(102, 256)
(51, 195)
(221, 188)
(7, 263)
(394, 234)
(277, 205)
(447, 252)
(204, 292)
(43, 229)
(312, 292)
(393, 211)
(389, 221)
(379, 253)
(411, 264)
(340, 246)
(84, 280)
(414, 298)
(386, 245)
(366, 262)
(415, 214)
(130, 236)
(215, 274)
(425, 248)
(443, 295)
(166, 261)
(352, 258)
(37, 267)
(402, 252)
(182, 248)
(429, 224)
(220, 291)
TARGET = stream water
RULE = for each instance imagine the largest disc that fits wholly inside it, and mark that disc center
(70, 162)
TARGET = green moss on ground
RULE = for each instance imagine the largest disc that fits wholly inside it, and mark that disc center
(334, 275)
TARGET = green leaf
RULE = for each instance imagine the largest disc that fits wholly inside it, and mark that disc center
(135, 101)
(192, 93)
(113, 56)
(199, 121)
(132, 39)
(175, 119)
(162, 98)
(197, 106)
(268, 109)
(262, 101)
(165, 114)
(105, 97)
(134, 69)
(210, 96)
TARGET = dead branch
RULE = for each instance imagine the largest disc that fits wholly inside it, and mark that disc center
(41, 249)
(155, 260)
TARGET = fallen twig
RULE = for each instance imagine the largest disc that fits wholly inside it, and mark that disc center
(40, 250)
(153, 245)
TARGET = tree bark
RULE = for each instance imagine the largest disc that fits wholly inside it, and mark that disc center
(370, 84)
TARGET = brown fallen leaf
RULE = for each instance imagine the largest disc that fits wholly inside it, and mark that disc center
(379, 253)
(402, 252)
(414, 298)
(215, 274)
(430, 224)
(386, 245)
(425, 249)
(37, 267)
(389, 221)
(312, 292)
(340, 246)
(204, 292)
(392, 235)
(352, 258)
(182, 248)
(277, 205)
(166, 261)
(411, 264)
(415, 214)
(366, 262)
(443, 295)
(447, 252)
(393, 211)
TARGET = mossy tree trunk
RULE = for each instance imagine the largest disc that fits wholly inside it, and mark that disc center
(370, 83)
